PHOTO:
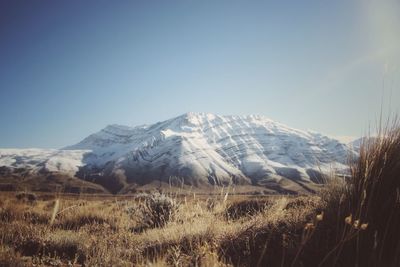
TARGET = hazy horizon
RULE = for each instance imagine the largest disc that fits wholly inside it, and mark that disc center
(69, 68)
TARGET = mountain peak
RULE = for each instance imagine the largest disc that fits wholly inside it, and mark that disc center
(116, 127)
(202, 148)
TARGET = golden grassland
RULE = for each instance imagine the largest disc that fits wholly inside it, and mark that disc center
(348, 223)
(200, 231)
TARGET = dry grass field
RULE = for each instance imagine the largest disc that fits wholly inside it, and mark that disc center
(151, 229)
(353, 223)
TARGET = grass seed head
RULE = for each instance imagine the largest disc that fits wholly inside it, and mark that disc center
(349, 219)
(320, 216)
(309, 226)
(364, 226)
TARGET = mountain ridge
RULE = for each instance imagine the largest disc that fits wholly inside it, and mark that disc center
(200, 148)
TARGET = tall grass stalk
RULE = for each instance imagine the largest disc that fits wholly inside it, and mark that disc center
(368, 212)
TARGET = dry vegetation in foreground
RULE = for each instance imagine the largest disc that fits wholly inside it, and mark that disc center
(149, 229)
(347, 224)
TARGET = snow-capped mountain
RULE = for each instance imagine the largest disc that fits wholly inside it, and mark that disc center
(53, 160)
(200, 148)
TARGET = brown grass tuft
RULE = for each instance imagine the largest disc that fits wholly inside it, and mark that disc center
(362, 216)
(246, 208)
(374, 196)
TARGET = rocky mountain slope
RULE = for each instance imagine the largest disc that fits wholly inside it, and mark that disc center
(197, 149)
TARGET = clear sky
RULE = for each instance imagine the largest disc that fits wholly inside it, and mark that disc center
(69, 68)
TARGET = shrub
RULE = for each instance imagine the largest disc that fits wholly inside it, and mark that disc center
(25, 196)
(154, 210)
(244, 208)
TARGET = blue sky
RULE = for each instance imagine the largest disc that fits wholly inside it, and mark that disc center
(69, 68)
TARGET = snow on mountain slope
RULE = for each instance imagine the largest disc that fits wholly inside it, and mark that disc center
(199, 147)
(66, 161)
